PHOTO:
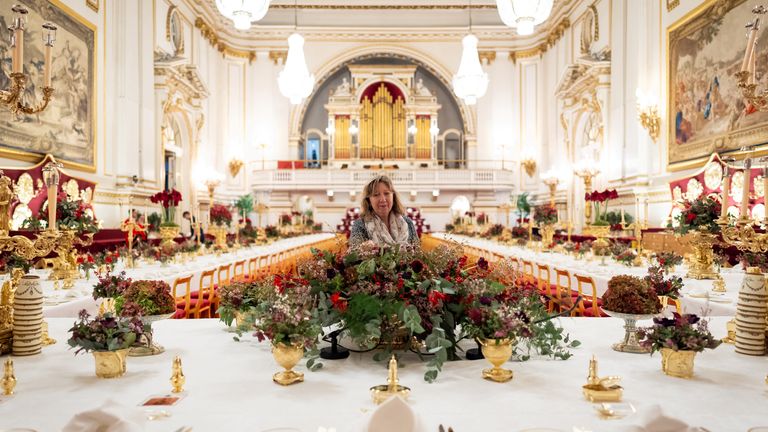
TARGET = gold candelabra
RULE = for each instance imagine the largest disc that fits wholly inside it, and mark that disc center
(587, 174)
(551, 182)
(746, 76)
(13, 97)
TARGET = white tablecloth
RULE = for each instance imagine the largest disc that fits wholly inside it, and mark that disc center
(697, 296)
(229, 386)
(67, 303)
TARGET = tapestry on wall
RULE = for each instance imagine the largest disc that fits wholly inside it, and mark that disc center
(66, 128)
(706, 112)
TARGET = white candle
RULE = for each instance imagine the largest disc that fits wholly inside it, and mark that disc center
(52, 207)
(645, 212)
(47, 68)
(750, 46)
(745, 189)
(622, 216)
(726, 188)
(637, 208)
(18, 49)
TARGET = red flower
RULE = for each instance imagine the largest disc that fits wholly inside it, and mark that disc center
(435, 297)
(690, 217)
(90, 258)
(338, 302)
(80, 259)
(279, 284)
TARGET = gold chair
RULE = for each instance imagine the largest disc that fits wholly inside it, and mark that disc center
(184, 300)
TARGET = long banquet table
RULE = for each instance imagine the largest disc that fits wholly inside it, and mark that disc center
(229, 387)
(697, 296)
(67, 303)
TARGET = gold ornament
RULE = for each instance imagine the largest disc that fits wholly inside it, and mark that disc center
(177, 378)
(601, 389)
(9, 380)
(381, 393)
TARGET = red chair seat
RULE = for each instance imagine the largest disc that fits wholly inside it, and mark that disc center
(180, 314)
(196, 294)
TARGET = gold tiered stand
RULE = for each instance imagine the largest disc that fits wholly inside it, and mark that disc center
(65, 264)
(130, 226)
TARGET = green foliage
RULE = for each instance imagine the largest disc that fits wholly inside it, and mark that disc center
(104, 333)
(154, 219)
(244, 204)
(523, 206)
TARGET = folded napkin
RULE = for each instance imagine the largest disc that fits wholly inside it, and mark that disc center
(110, 417)
(393, 415)
(654, 419)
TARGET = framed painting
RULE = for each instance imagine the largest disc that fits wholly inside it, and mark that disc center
(67, 128)
(706, 112)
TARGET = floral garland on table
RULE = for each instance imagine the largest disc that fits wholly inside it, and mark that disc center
(700, 214)
(600, 201)
(169, 200)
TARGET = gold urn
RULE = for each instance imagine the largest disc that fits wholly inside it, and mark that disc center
(677, 363)
(287, 356)
(110, 364)
(498, 352)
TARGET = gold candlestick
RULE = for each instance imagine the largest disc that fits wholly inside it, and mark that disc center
(177, 377)
(9, 379)
(381, 393)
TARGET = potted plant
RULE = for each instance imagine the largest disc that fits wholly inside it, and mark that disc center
(630, 298)
(169, 229)
(221, 217)
(108, 338)
(662, 286)
(679, 339)
(668, 260)
(545, 217)
(237, 300)
(108, 287)
(599, 201)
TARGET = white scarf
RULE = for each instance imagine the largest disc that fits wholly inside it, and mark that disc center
(379, 233)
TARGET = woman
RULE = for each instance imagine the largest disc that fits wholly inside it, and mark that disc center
(382, 217)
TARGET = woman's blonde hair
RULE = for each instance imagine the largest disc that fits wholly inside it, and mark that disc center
(365, 206)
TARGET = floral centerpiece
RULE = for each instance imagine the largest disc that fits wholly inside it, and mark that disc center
(545, 215)
(108, 337)
(752, 259)
(145, 298)
(700, 214)
(630, 299)
(630, 295)
(388, 297)
(110, 285)
(238, 298)
(494, 230)
(220, 215)
(168, 200)
(626, 257)
(482, 218)
(679, 339)
(662, 286)
(699, 217)
(86, 263)
(271, 231)
(600, 202)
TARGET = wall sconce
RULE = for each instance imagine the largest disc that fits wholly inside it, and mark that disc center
(529, 165)
(235, 165)
(413, 195)
(13, 95)
(412, 129)
(648, 113)
(434, 130)
(353, 129)
(330, 195)
(352, 195)
(435, 194)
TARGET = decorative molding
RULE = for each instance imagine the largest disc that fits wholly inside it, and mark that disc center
(671, 4)
(383, 7)
(210, 35)
(278, 56)
(488, 56)
(552, 38)
(93, 4)
(590, 30)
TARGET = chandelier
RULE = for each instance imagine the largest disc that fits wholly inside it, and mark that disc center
(524, 14)
(243, 12)
(295, 81)
(470, 82)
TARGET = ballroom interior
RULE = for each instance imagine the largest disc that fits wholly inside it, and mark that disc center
(605, 160)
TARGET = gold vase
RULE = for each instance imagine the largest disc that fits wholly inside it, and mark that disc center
(110, 364)
(677, 363)
(701, 266)
(287, 356)
(168, 234)
(497, 351)
(219, 232)
(547, 235)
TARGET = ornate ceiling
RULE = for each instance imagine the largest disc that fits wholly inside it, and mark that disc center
(377, 20)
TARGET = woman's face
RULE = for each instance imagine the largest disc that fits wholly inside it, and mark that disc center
(381, 200)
